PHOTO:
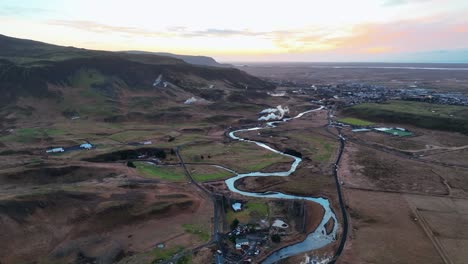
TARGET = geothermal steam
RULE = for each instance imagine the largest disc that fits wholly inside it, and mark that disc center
(273, 113)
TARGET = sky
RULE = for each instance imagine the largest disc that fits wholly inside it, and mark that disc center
(251, 30)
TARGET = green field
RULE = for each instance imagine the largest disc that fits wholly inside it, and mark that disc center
(212, 176)
(201, 231)
(399, 133)
(320, 148)
(128, 136)
(172, 173)
(203, 173)
(425, 115)
(26, 135)
(240, 156)
(355, 121)
(249, 210)
(165, 253)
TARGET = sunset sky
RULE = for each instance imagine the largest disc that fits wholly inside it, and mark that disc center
(252, 30)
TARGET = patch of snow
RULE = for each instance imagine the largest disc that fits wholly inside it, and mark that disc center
(191, 100)
(158, 80)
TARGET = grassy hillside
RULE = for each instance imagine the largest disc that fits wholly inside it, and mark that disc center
(35, 53)
(425, 115)
(29, 69)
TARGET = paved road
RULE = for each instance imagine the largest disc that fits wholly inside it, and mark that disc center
(216, 238)
(344, 214)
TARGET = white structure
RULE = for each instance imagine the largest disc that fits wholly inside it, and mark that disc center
(241, 242)
(382, 129)
(280, 224)
(278, 94)
(236, 207)
(361, 130)
(86, 146)
(55, 150)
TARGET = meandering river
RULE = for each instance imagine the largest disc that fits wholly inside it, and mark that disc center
(319, 237)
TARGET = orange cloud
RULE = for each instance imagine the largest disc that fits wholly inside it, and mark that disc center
(461, 28)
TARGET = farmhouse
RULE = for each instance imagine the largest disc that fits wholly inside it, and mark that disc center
(241, 242)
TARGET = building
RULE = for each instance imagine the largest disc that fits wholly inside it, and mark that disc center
(86, 146)
(236, 207)
(241, 242)
(55, 150)
(280, 224)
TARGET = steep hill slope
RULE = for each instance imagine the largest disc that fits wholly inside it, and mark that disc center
(71, 80)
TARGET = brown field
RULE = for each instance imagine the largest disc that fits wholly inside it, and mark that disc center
(107, 214)
(103, 214)
(377, 170)
(383, 230)
(403, 211)
(424, 141)
(446, 220)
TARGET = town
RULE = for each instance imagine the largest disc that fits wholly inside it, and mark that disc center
(356, 93)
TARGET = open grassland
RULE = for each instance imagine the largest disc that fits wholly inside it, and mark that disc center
(355, 121)
(302, 182)
(201, 231)
(155, 255)
(27, 135)
(203, 173)
(257, 210)
(129, 136)
(319, 147)
(240, 156)
(86, 78)
(86, 101)
(165, 253)
(426, 115)
(169, 173)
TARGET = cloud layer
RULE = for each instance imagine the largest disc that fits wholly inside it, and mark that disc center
(245, 30)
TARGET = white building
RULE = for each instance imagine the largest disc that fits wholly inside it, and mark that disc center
(236, 207)
(55, 150)
(86, 146)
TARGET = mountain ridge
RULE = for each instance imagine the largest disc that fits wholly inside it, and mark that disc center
(192, 59)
